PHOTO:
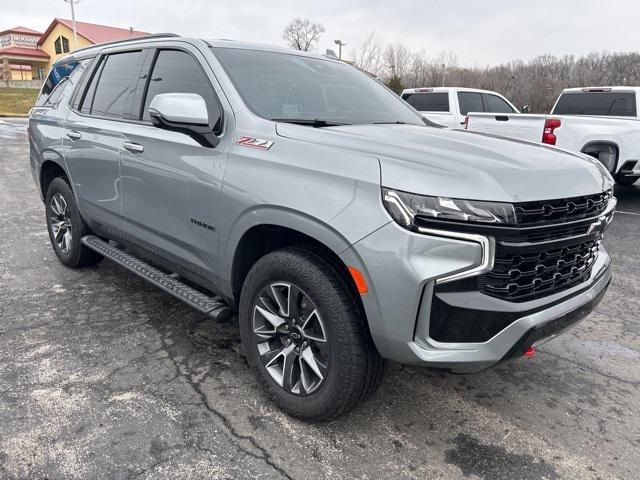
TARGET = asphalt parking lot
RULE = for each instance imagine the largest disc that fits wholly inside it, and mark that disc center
(104, 376)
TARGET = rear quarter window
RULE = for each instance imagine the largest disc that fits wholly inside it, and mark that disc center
(428, 102)
(61, 76)
(615, 104)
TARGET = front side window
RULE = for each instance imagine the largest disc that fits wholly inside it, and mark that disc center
(289, 87)
(116, 84)
(428, 102)
(470, 102)
(495, 104)
(176, 71)
(616, 104)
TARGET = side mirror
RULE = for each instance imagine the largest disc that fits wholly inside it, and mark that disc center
(525, 109)
(185, 113)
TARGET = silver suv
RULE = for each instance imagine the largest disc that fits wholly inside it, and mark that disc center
(302, 194)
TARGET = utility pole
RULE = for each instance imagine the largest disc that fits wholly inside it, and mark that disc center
(73, 20)
(340, 45)
(444, 73)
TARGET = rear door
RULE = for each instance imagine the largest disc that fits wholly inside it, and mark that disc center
(171, 184)
(93, 137)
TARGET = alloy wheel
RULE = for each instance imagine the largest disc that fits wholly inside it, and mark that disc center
(60, 223)
(291, 338)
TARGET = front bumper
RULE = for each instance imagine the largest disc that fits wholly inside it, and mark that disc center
(401, 269)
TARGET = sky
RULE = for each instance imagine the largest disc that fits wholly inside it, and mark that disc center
(480, 32)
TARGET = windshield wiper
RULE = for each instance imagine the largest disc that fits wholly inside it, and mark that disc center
(316, 122)
(397, 122)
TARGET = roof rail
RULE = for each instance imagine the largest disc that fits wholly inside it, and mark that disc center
(115, 42)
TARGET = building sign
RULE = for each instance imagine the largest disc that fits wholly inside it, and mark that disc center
(22, 41)
(25, 41)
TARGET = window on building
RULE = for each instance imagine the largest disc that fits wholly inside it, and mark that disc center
(117, 84)
(178, 72)
(61, 45)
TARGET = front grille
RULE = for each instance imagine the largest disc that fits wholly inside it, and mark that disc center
(562, 210)
(554, 250)
(527, 276)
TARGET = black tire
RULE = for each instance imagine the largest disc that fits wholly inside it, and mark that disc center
(355, 368)
(626, 180)
(72, 254)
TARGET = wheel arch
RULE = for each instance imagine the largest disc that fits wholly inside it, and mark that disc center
(277, 228)
(604, 143)
(48, 171)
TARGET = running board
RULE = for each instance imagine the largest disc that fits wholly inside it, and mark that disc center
(216, 309)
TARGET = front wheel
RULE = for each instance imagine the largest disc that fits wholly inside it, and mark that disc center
(305, 336)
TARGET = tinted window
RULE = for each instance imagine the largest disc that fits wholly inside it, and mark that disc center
(86, 99)
(428, 102)
(622, 104)
(178, 72)
(56, 81)
(495, 104)
(470, 102)
(294, 87)
(117, 83)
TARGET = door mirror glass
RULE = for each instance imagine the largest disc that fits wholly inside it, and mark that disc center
(178, 108)
(525, 109)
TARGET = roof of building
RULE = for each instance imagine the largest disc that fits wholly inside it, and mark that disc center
(23, 52)
(93, 32)
(23, 30)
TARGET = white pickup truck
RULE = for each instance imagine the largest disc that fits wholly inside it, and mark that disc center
(600, 121)
(449, 107)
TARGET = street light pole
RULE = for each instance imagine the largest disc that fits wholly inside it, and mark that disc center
(73, 21)
(340, 45)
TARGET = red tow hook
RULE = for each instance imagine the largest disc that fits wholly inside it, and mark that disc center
(530, 352)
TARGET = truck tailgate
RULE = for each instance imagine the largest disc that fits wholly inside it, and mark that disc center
(522, 126)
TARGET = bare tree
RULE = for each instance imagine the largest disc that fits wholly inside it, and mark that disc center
(369, 56)
(397, 58)
(302, 34)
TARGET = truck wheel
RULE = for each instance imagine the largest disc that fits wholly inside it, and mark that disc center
(66, 226)
(626, 180)
(305, 336)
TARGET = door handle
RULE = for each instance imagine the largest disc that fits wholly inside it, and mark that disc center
(73, 135)
(133, 147)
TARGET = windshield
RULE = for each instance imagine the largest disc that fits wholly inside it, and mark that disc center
(286, 87)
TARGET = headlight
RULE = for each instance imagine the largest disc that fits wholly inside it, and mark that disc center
(404, 207)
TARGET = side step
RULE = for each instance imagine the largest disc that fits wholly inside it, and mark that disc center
(216, 309)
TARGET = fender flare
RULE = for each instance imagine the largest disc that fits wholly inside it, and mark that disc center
(274, 216)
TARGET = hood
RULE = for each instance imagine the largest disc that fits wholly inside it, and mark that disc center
(462, 164)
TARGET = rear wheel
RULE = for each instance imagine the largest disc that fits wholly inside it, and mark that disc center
(305, 335)
(66, 226)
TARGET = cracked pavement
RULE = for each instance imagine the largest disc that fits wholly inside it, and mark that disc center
(105, 376)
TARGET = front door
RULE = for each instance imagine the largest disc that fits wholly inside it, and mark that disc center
(170, 182)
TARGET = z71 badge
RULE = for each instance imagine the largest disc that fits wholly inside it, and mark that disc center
(253, 142)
